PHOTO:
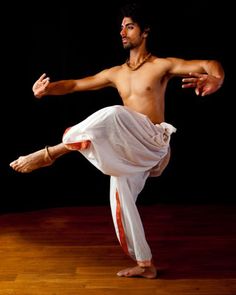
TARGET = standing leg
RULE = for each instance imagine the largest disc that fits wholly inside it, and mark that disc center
(124, 191)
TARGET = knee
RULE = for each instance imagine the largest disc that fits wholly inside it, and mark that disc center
(83, 145)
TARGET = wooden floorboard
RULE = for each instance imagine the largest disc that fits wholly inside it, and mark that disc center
(74, 250)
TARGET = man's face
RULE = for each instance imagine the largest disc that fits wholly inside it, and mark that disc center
(130, 33)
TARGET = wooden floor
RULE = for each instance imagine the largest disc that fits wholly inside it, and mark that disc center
(65, 251)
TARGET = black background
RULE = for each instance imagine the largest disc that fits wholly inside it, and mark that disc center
(70, 39)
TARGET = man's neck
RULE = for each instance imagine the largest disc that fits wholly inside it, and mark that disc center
(136, 63)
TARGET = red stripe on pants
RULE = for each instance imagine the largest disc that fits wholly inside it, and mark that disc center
(123, 241)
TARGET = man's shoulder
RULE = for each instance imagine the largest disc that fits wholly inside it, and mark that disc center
(161, 63)
(115, 69)
(158, 59)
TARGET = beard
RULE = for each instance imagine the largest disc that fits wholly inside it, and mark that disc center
(132, 44)
(128, 45)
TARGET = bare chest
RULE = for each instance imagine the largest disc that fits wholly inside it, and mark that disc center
(138, 83)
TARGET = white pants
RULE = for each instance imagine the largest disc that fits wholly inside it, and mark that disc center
(127, 146)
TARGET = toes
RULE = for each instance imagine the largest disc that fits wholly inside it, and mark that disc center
(123, 273)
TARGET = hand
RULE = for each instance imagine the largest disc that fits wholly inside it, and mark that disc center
(40, 86)
(204, 84)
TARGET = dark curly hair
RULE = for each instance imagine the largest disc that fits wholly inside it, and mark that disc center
(138, 13)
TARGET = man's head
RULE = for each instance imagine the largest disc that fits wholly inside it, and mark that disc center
(135, 25)
(137, 12)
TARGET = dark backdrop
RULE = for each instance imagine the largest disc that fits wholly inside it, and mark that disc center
(73, 39)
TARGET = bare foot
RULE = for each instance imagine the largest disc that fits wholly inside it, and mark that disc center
(36, 160)
(149, 272)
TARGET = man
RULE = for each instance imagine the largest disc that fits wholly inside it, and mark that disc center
(129, 142)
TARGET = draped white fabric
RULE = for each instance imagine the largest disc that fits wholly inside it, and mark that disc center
(127, 146)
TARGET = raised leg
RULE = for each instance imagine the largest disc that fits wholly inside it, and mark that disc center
(44, 157)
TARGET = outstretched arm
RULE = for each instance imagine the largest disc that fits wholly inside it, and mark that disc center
(205, 76)
(43, 86)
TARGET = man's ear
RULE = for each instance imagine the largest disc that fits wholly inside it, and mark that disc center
(146, 32)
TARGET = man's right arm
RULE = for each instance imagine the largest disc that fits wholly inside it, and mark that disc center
(43, 86)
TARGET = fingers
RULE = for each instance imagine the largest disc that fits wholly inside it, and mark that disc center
(203, 84)
(43, 80)
(206, 91)
(42, 77)
(200, 79)
(196, 81)
(191, 83)
(195, 74)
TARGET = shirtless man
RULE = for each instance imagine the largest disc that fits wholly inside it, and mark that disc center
(141, 82)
